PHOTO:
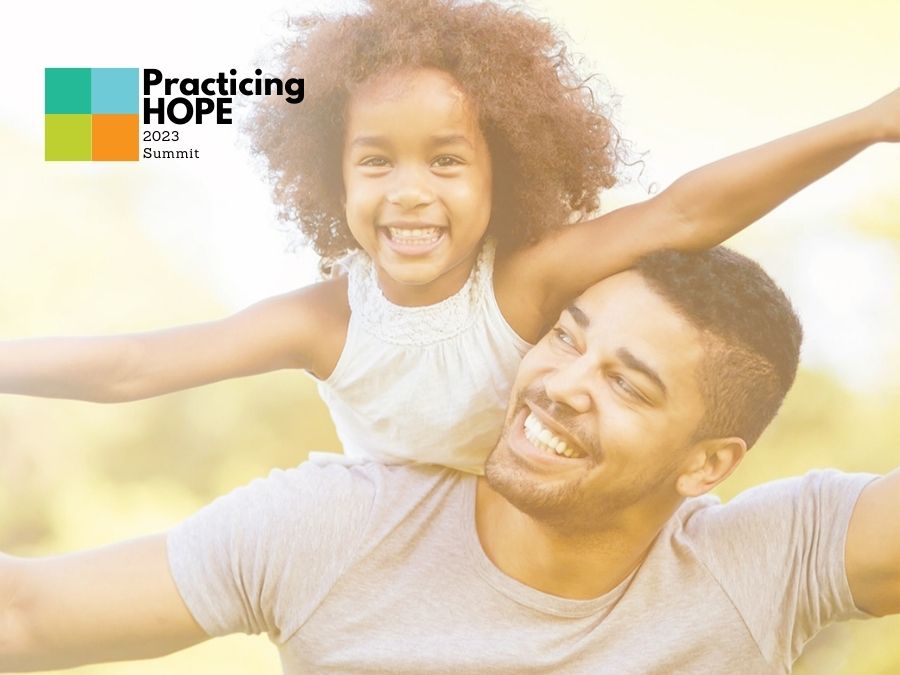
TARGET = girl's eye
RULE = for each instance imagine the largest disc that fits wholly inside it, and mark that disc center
(374, 162)
(445, 161)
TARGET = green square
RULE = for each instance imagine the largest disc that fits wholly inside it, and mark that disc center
(67, 90)
(67, 138)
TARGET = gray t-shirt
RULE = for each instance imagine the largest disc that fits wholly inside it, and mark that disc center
(379, 569)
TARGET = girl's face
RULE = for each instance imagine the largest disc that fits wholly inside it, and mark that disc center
(417, 182)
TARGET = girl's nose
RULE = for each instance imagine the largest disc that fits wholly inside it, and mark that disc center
(570, 384)
(409, 190)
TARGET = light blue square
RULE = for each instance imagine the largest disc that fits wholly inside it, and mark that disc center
(114, 90)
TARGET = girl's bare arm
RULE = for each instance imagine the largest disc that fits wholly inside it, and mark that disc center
(699, 210)
(301, 329)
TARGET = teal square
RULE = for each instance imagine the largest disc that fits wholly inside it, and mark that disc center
(67, 90)
(114, 90)
(67, 138)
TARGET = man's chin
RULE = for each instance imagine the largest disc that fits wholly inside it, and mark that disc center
(534, 495)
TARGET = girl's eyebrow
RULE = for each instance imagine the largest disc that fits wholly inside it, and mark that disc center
(449, 139)
(368, 140)
(440, 139)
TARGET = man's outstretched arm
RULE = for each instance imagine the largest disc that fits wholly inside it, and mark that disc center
(873, 547)
(114, 603)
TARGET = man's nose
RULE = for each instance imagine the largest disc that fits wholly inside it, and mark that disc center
(409, 189)
(570, 385)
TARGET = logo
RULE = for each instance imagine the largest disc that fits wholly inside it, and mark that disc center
(91, 114)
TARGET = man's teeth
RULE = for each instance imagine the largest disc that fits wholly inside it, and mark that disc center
(416, 235)
(541, 437)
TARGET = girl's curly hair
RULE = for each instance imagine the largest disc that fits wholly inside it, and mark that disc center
(553, 148)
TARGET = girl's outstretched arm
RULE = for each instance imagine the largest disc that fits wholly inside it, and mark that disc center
(302, 329)
(700, 209)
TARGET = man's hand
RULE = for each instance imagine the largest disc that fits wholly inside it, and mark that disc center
(109, 604)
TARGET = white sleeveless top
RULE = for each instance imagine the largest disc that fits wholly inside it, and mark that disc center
(423, 384)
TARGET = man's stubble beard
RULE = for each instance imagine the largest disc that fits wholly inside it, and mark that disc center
(571, 508)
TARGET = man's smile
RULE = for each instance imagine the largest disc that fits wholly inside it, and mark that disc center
(543, 437)
(541, 444)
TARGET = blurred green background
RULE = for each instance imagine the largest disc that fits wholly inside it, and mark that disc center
(93, 249)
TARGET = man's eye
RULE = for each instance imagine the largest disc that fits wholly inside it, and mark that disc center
(445, 161)
(625, 387)
(561, 335)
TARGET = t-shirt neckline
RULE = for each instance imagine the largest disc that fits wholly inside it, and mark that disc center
(522, 593)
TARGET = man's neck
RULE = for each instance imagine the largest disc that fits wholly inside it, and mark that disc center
(569, 565)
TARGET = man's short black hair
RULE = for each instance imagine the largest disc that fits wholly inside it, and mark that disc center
(752, 335)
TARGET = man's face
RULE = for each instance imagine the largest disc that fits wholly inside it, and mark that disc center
(603, 410)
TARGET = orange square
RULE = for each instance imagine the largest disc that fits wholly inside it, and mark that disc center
(114, 137)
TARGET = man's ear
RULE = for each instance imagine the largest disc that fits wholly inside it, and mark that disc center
(709, 463)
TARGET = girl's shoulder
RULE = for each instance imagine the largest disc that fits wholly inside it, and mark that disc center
(333, 311)
(320, 315)
(519, 289)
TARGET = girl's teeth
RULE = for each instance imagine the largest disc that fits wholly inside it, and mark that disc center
(417, 235)
(541, 437)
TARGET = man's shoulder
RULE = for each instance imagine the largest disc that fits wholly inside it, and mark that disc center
(772, 495)
(775, 551)
(277, 545)
(810, 487)
(371, 484)
(372, 506)
(331, 502)
(371, 473)
(766, 522)
(325, 472)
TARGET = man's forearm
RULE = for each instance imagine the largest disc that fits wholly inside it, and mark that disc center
(114, 603)
(13, 636)
(718, 200)
(873, 547)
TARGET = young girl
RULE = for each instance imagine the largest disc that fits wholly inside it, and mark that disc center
(436, 160)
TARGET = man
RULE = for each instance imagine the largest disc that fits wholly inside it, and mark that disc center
(587, 547)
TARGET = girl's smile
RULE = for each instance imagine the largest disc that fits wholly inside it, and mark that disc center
(417, 181)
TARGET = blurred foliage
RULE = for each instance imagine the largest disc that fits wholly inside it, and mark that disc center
(881, 218)
(74, 475)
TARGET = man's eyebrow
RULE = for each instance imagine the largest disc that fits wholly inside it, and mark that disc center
(635, 363)
(578, 316)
